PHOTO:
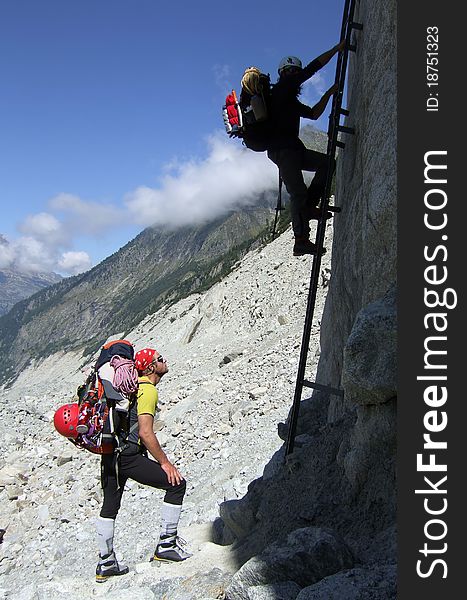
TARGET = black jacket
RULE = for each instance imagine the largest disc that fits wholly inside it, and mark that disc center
(286, 109)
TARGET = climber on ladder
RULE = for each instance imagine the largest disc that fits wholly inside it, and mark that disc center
(288, 152)
(344, 47)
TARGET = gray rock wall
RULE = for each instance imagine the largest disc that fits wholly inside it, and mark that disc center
(359, 326)
(365, 236)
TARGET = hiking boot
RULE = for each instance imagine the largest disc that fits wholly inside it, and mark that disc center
(171, 548)
(304, 246)
(315, 213)
(108, 567)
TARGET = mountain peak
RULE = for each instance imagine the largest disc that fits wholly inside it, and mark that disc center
(16, 286)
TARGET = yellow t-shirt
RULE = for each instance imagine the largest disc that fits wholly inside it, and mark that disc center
(146, 403)
(147, 397)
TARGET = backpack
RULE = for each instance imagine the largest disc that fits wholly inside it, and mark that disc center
(248, 118)
(96, 421)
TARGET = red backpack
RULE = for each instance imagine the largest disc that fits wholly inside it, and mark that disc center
(93, 421)
(249, 117)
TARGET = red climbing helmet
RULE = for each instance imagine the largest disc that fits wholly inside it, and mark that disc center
(66, 420)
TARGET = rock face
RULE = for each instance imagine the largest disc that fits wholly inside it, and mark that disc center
(365, 240)
(358, 334)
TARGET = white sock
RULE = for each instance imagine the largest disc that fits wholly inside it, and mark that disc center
(170, 515)
(105, 535)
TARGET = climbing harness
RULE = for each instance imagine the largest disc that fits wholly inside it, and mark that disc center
(348, 26)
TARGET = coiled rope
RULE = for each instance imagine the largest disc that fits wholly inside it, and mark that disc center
(126, 376)
(251, 81)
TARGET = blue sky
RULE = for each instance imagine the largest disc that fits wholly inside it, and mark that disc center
(110, 116)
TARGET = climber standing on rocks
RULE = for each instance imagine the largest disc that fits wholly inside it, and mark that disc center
(289, 153)
(133, 463)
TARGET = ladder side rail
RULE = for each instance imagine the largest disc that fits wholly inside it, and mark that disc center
(341, 69)
(345, 13)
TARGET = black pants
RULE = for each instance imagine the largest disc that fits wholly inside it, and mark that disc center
(136, 466)
(291, 163)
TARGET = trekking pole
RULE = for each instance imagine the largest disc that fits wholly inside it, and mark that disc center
(278, 207)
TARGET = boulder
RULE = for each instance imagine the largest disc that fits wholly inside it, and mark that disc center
(376, 583)
(371, 451)
(276, 591)
(12, 474)
(304, 557)
(369, 374)
(202, 585)
(238, 516)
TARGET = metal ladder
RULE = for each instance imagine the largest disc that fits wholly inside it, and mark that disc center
(348, 26)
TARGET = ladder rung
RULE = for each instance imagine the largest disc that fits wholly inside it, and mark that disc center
(344, 112)
(323, 388)
(344, 129)
(356, 25)
(335, 209)
(340, 144)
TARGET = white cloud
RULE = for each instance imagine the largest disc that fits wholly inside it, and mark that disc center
(47, 241)
(7, 256)
(198, 191)
(44, 227)
(74, 262)
(89, 217)
(30, 255)
(190, 192)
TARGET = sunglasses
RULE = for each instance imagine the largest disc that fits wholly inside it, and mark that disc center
(160, 359)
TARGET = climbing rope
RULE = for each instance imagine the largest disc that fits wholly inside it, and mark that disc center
(251, 81)
(126, 376)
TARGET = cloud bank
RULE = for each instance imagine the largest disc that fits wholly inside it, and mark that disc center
(198, 191)
(190, 192)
